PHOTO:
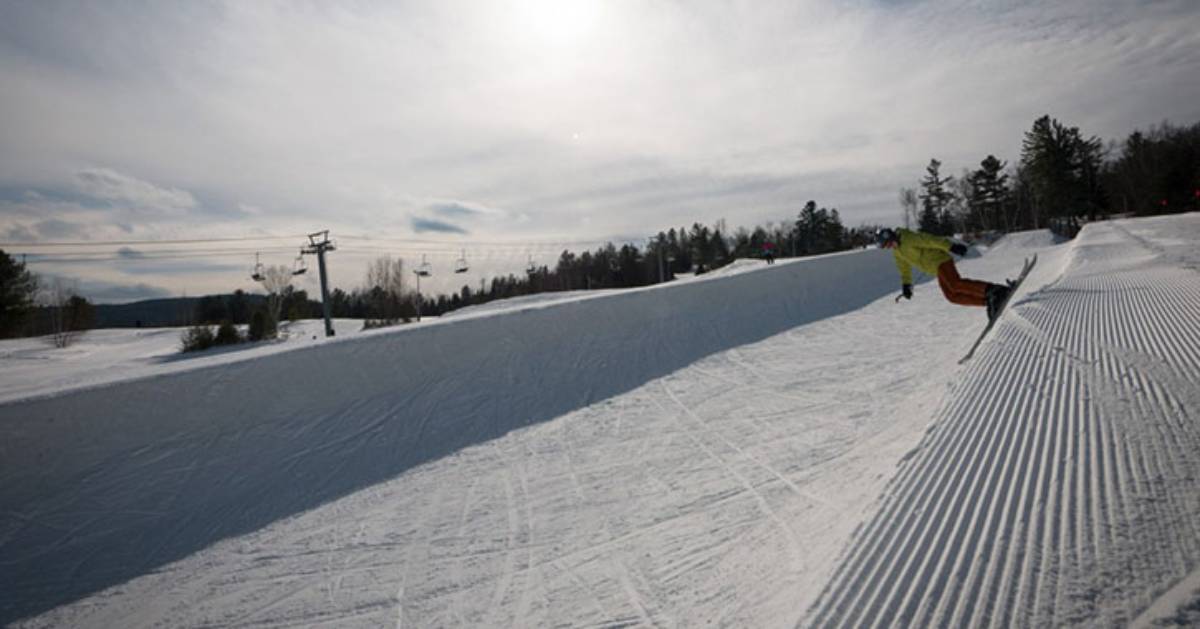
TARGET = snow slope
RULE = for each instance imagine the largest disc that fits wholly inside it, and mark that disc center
(33, 366)
(776, 446)
(102, 484)
(1059, 485)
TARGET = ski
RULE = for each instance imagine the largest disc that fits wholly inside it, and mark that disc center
(1004, 306)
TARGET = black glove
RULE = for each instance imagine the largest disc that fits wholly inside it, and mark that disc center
(906, 291)
(958, 249)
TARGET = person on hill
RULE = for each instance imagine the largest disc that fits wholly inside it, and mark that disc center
(768, 250)
(931, 254)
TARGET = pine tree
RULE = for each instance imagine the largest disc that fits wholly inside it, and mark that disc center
(720, 248)
(702, 249)
(811, 229)
(834, 232)
(1063, 169)
(934, 199)
(1157, 171)
(17, 289)
(989, 187)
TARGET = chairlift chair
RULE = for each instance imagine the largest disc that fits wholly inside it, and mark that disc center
(257, 273)
(461, 265)
(299, 267)
(532, 268)
(425, 270)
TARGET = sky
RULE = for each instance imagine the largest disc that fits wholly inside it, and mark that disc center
(504, 132)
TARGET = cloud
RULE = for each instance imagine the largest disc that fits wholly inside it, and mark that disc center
(478, 119)
(111, 292)
(423, 225)
(110, 185)
(104, 291)
(465, 210)
(20, 233)
(128, 253)
(145, 265)
(54, 228)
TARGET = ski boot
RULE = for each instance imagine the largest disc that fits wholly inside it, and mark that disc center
(996, 295)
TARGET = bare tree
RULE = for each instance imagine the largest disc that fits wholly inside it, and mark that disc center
(385, 289)
(386, 273)
(275, 281)
(958, 206)
(908, 201)
(69, 314)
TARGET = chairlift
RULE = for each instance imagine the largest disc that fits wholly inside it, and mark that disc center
(425, 270)
(461, 265)
(299, 267)
(532, 268)
(257, 273)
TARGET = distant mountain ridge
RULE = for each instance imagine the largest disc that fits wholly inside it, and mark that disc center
(156, 313)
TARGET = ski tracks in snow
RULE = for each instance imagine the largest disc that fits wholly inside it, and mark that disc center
(708, 495)
(1055, 486)
(1059, 487)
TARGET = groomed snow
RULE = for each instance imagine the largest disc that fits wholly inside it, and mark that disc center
(764, 447)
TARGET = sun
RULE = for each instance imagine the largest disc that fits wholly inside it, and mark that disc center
(557, 24)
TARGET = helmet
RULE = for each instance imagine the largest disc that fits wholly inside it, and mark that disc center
(884, 236)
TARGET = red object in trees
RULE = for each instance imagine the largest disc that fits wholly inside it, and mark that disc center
(1163, 203)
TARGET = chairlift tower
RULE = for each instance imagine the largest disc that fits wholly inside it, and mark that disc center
(318, 244)
(424, 270)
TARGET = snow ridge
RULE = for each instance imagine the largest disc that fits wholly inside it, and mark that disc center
(104, 484)
(1057, 488)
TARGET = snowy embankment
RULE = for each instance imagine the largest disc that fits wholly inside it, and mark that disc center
(102, 484)
(1061, 483)
(780, 445)
(34, 367)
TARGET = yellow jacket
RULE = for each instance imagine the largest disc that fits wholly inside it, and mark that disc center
(924, 251)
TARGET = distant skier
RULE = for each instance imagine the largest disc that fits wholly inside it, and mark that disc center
(768, 250)
(931, 254)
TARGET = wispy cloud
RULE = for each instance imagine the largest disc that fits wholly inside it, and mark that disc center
(110, 185)
(19, 233)
(464, 210)
(140, 265)
(425, 225)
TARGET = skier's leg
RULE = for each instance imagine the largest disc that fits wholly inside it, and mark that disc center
(949, 288)
(958, 290)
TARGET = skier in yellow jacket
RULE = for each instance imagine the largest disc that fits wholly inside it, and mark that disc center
(931, 254)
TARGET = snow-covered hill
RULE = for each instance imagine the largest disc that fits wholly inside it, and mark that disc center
(34, 367)
(765, 447)
(1060, 483)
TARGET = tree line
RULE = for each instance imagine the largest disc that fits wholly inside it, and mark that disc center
(697, 249)
(1062, 179)
(31, 307)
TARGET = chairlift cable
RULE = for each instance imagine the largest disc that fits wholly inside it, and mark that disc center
(113, 243)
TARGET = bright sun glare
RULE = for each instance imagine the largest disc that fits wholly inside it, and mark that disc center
(557, 23)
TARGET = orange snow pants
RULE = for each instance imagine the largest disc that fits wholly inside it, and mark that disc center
(958, 290)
